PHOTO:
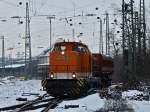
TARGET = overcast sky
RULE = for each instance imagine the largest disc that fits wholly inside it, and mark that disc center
(14, 32)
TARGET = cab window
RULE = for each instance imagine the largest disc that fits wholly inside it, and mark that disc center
(78, 48)
(81, 49)
(75, 47)
(86, 49)
(60, 48)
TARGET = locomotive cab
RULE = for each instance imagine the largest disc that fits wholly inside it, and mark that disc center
(70, 60)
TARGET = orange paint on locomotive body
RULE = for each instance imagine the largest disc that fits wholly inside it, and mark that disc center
(70, 58)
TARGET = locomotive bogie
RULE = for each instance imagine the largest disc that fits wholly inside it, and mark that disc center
(70, 88)
(64, 87)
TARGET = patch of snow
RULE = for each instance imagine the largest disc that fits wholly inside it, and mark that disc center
(8, 79)
(43, 64)
(14, 66)
(88, 104)
(14, 89)
(131, 93)
(140, 106)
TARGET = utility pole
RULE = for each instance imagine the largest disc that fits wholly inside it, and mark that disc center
(142, 33)
(3, 56)
(107, 35)
(100, 36)
(136, 26)
(74, 15)
(73, 33)
(125, 39)
(50, 23)
(141, 38)
(123, 30)
(28, 53)
(133, 39)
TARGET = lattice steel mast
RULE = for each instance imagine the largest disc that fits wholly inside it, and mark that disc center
(129, 39)
(107, 35)
(142, 30)
(28, 55)
(133, 38)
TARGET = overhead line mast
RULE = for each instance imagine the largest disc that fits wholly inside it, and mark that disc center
(107, 35)
(3, 56)
(128, 39)
(28, 53)
(50, 23)
(133, 39)
(142, 28)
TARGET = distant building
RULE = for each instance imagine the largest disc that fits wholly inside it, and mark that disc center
(40, 66)
(43, 63)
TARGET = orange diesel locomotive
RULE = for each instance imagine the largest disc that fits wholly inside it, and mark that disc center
(75, 70)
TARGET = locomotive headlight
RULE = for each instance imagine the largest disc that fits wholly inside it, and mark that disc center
(73, 75)
(62, 52)
(52, 76)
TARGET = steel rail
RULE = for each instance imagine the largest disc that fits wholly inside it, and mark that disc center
(52, 104)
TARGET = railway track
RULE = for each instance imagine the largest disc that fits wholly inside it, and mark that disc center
(52, 104)
(41, 102)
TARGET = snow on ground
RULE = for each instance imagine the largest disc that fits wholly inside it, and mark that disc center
(140, 106)
(11, 88)
(90, 103)
(131, 93)
(14, 66)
